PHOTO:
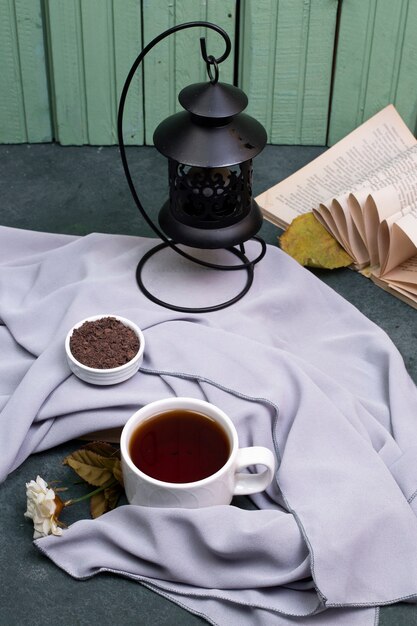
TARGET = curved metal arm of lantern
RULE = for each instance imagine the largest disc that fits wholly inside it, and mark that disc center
(210, 60)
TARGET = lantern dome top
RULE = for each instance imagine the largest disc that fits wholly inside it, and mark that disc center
(213, 100)
(212, 131)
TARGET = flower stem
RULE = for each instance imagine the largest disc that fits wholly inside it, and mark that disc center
(89, 495)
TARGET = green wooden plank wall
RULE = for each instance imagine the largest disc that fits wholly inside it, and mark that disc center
(376, 63)
(92, 44)
(286, 65)
(176, 61)
(24, 98)
(64, 63)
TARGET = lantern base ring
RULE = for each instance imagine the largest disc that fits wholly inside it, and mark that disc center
(246, 264)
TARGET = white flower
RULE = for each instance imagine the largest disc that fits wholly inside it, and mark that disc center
(43, 507)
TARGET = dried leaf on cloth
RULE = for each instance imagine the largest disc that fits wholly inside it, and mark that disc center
(105, 501)
(309, 243)
(98, 463)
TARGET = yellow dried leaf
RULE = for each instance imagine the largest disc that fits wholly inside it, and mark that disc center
(105, 501)
(103, 449)
(98, 505)
(91, 467)
(112, 495)
(117, 472)
(309, 243)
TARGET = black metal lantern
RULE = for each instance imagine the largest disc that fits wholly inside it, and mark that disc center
(210, 146)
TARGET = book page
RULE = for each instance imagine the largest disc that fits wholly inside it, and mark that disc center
(356, 202)
(343, 228)
(408, 289)
(325, 218)
(400, 174)
(404, 273)
(333, 213)
(407, 292)
(384, 238)
(390, 190)
(339, 170)
(378, 206)
(402, 242)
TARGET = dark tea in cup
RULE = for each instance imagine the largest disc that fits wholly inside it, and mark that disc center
(179, 446)
(184, 452)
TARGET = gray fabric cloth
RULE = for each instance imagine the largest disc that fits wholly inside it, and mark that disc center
(296, 367)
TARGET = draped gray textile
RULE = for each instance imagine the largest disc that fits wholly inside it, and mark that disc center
(297, 368)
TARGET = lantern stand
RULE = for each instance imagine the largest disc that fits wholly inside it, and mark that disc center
(248, 265)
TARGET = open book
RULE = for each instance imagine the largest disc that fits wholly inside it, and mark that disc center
(364, 191)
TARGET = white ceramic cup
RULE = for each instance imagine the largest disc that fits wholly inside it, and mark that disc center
(219, 488)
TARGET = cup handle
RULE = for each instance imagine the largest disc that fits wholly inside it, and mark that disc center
(246, 484)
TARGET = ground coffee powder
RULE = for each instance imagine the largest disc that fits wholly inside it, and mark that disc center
(104, 343)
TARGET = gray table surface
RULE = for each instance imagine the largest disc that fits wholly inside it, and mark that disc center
(78, 190)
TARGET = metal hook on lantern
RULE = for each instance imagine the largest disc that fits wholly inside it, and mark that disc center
(248, 265)
(204, 48)
(211, 61)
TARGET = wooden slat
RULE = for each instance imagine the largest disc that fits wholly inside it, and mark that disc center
(319, 56)
(176, 61)
(67, 68)
(93, 44)
(12, 111)
(376, 63)
(127, 16)
(158, 67)
(100, 80)
(24, 101)
(406, 84)
(286, 55)
(223, 14)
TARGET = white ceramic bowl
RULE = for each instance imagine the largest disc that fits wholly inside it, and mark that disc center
(109, 376)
